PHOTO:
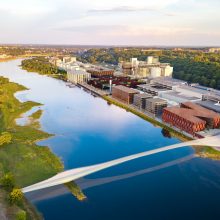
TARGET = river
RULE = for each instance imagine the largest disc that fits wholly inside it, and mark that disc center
(170, 185)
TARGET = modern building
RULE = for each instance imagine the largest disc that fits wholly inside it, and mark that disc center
(155, 106)
(124, 94)
(78, 76)
(104, 82)
(140, 100)
(178, 97)
(167, 82)
(69, 59)
(214, 50)
(151, 68)
(191, 117)
(97, 72)
(214, 106)
(153, 89)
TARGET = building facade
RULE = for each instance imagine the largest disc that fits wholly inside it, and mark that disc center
(155, 106)
(140, 100)
(78, 76)
(191, 118)
(124, 94)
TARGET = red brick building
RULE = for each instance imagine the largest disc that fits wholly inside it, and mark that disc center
(191, 117)
(99, 72)
(124, 94)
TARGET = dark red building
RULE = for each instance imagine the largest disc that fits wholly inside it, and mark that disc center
(191, 117)
(100, 72)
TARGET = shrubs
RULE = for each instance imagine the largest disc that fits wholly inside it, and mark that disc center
(3, 80)
(5, 138)
(21, 215)
(7, 181)
(15, 196)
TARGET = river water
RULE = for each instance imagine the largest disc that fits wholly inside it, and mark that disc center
(170, 185)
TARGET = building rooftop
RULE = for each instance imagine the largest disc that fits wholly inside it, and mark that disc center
(144, 95)
(79, 72)
(201, 110)
(193, 89)
(152, 88)
(210, 105)
(182, 96)
(156, 100)
(126, 89)
(168, 81)
(185, 113)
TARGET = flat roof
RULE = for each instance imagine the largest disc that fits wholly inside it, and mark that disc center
(125, 89)
(152, 88)
(180, 95)
(144, 95)
(169, 81)
(154, 100)
(210, 105)
(201, 110)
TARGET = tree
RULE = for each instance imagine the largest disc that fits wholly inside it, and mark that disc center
(5, 138)
(21, 215)
(16, 196)
(7, 181)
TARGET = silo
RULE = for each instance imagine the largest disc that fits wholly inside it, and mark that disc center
(155, 72)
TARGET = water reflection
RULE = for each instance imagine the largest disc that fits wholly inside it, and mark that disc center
(85, 183)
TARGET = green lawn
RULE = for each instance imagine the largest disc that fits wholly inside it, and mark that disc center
(28, 162)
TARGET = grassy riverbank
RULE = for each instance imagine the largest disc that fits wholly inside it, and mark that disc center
(19, 155)
(42, 66)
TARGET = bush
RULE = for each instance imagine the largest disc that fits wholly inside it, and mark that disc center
(7, 181)
(21, 215)
(16, 196)
(5, 138)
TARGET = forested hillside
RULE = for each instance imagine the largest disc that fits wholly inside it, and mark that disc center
(192, 66)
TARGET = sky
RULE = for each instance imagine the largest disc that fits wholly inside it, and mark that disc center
(111, 22)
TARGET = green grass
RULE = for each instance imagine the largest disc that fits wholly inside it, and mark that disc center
(28, 162)
(36, 115)
(75, 190)
(208, 152)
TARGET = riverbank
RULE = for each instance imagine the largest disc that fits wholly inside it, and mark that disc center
(27, 162)
(201, 151)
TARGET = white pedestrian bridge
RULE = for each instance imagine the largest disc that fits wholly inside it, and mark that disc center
(76, 173)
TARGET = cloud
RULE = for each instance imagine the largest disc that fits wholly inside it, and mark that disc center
(91, 28)
(120, 9)
(126, 9)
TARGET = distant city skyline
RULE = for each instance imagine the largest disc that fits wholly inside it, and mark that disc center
(115, 22)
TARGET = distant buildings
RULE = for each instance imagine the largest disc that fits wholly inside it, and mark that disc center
(151, 68)
(214, 50)
(104, 82)
(191, 117)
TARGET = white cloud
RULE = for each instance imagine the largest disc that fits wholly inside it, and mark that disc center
(110, 21)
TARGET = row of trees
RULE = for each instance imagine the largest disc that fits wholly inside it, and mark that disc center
(41, 65)
(189, 65)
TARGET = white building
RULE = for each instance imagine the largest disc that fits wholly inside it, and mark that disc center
(78, 76)
(151, 68)
(155, 72)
